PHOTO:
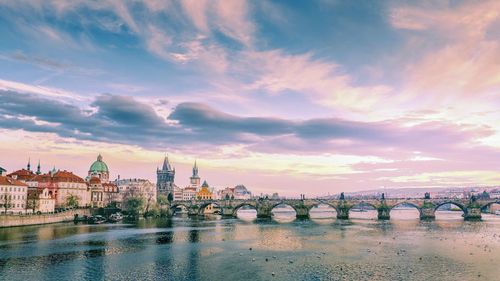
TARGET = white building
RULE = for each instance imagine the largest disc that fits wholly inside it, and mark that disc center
(40, 201)
(178, 193)
(189, 193)
(136, 188)
(495, 193)
(241, 192)
(13, 195)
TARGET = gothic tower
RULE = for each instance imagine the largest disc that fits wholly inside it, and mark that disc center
(195, 179)
(165, 178)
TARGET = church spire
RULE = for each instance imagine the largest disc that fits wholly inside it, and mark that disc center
(166, 164)
(29, 164)
(195, 169)
(38, 168)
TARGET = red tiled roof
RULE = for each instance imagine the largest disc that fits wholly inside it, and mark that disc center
(59, 176)
(10, 181)
(22, 174)
(65, 176)
(42, 178)
(94, 180)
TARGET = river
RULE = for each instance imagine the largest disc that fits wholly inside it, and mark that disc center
(282, 248)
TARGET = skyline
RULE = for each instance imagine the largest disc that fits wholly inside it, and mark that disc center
(316, 97)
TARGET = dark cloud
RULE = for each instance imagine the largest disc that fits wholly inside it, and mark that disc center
(120, 119)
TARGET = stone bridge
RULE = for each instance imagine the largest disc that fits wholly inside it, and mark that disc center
(427, 207)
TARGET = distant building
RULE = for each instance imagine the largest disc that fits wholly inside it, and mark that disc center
(495, 193)
(205, 194)
(241, 192)
(165, 178)
(143, 188)
(96, 193)
(226, 193)
(99, 169)
(40, 201)
(63, 185)
(2, 171)
(189, 193)
(13, 195)
(177, 193)
(25, 175)
(195, 178)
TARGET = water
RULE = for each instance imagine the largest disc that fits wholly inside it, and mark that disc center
(219, 249)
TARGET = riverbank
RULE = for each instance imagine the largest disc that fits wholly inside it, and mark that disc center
(34, 219)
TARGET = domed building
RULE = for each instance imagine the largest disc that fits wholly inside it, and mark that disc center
(100, 170)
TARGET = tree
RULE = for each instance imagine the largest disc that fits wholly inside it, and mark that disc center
(7, 201)
(227, 196)
(72, 201)
(33, 202)
(162, 200)
(170, 197)
(134, 205)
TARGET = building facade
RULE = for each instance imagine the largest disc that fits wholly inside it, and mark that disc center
(66, 187)
(13, 196)
(99, 169)
(143, 188)
(165, 178)
(40, 201)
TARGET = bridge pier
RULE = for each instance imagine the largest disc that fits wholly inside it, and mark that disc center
(302, 212)
(227, 212)
(383, 213)
(427, 213)
(342, 211)
(264, 211)
(472, 213)
(194, 211)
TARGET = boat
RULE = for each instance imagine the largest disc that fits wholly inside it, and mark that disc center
(116, 217)
(96, 219)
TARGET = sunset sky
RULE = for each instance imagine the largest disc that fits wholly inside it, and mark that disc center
(311, 97)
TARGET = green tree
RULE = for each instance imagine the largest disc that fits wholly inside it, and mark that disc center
(170, 197)
(72, 201)
(134, 206)
(33, 203)
(6, 201)
(162, 200)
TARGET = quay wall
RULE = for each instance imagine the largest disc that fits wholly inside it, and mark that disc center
(34, 219)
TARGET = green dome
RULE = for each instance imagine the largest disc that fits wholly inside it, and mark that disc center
(99, 165)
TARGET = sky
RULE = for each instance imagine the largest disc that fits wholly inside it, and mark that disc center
(313, 97)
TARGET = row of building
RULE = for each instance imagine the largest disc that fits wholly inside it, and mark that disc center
(195, 190)
(30, 191)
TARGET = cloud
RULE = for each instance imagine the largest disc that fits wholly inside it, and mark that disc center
(455, 59)
(7, 85)
(121, 119)
(322, 81)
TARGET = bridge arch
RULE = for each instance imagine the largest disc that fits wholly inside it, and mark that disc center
(203, 205)
(319, 202)
(458, 204)
(315, 212)
(485, 206)
(363, 203)
(174, 206)
(239, 206)
(285, 204)
(405, 215)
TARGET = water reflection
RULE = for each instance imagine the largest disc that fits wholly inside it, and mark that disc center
(212, 248)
